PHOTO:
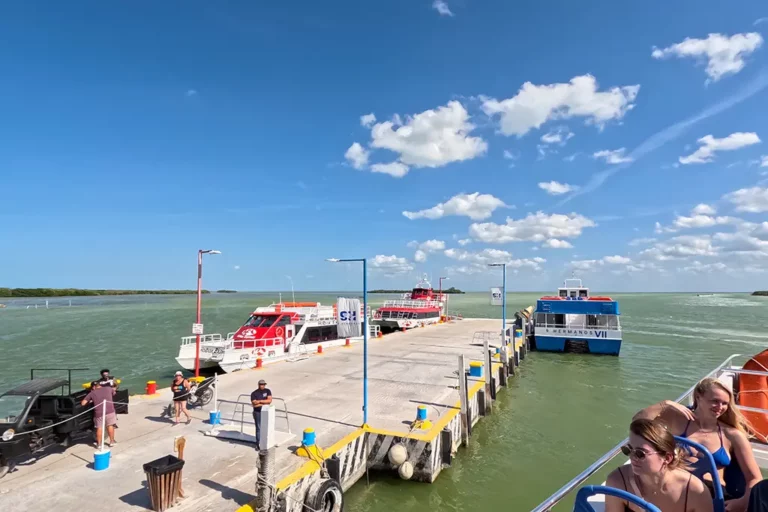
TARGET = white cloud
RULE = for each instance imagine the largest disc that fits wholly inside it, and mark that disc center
(536, 227)
(615, 156)
(465, 241)
(588, 265)
(432, 138)
(534, 105)
(441, 7)
(508, 155)
(357, 156)
(708, 146)
(764, 161)
(367, 120)
(191, 93)
(570, 158)
(703, 209)
(394, 169)
(476, 206)
(701, 221)
(554, 243)
(617, 260)
(477, 262)
(424, 248)
(391, 265)
(760, 20)
(641, 241)
(555, 188)
(680, 247)
(559, 135)
(237, 267)
(724, 55)
(752, 200)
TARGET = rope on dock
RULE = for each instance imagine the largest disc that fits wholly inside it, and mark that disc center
(64, 421)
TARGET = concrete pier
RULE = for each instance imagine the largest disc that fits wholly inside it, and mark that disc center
(323, 392)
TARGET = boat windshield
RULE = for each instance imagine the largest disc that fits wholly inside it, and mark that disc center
(260, 321)
(12, 406)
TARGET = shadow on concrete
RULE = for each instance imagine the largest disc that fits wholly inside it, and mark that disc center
(162, 419)
(228, 493)
(435, 404)
(293, 413)
(138, 498)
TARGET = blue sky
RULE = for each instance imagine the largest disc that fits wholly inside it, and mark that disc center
(136, 133)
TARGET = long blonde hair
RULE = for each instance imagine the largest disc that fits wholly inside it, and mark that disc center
(731, 417)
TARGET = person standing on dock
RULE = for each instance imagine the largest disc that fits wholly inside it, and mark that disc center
(107, 379)
(260, 396)
(180, 387)
(98, 395)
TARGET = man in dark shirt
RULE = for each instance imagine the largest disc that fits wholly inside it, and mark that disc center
(259, 397)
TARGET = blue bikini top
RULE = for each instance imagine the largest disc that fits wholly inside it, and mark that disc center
(721, 456)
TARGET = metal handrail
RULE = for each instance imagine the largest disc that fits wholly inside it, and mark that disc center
(243, 404)
(616, 327)
(561, 493)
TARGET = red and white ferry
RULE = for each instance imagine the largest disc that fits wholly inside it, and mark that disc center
(422, 306)
(271, 333)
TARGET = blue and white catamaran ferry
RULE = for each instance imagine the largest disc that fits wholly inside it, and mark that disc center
(573, 321)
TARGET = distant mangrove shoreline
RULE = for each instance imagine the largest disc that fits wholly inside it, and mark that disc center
(78, 292)
(761, 293)
(447, 290)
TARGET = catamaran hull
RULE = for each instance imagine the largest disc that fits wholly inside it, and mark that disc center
(398, 325)
(210, 355)
(593, 345)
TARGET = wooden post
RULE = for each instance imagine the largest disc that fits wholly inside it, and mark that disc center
(504, 364)
(178, 446)
(465, 419)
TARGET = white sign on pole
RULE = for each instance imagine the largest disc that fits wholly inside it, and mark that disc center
(348, 318)
(197, 328)
(496, 299)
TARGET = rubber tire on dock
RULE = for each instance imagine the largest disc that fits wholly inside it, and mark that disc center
(325, 495)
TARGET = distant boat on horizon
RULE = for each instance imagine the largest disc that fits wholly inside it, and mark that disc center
(705, 294)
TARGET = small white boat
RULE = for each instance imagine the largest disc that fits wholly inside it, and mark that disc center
(422, 306)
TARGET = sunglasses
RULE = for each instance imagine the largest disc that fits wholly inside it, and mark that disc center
(636, 453)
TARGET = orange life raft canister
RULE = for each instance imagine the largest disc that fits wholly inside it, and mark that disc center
(753, 392)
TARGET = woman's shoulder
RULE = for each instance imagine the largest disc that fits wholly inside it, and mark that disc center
(616, 479)
(733, 434)
(689, 480)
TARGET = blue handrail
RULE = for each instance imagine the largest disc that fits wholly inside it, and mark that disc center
(719, 500)
(582, 505)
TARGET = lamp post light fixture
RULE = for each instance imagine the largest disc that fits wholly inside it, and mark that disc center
(199, 301)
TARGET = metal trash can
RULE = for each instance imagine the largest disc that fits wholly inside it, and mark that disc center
(163, 481)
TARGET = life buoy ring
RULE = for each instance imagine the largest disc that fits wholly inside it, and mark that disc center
(279, 331)
(260, 352)
(752, 393)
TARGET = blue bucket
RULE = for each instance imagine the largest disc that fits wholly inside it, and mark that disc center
(475, 369)
(101, 460)
(421, 413)
(214, 417)
(308, 438)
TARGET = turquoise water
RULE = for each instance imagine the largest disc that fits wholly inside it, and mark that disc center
(558, 416)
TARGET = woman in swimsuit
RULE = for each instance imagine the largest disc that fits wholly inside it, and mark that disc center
(715, 423)
(180, 387)
(654, 474)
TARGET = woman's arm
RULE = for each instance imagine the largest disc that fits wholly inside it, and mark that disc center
(741, 448)
(671, 413)
(612, 503)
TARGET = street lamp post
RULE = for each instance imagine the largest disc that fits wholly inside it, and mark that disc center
(199, 302)
(365, 332)
(503, 301)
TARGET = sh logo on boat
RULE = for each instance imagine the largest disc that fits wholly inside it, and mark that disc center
(348, 316)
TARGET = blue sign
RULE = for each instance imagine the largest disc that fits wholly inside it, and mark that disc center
(348, 316)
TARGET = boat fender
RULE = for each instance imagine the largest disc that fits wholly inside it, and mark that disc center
(398, 454)
(326, 495)
(405, 470)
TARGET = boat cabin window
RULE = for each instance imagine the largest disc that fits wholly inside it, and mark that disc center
(260, 320)
(583, 293)
(284, 320)
(563, 293)
(269, 321)
(573, 294)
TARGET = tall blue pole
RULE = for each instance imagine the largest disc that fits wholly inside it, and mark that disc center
(504, 307)
(365, 342)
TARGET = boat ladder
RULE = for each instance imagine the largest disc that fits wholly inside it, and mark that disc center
(297, 351)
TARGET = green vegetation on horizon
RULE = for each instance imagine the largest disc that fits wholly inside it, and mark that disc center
(447, 290)
(77, 292)
(226, 291)
(763, 293)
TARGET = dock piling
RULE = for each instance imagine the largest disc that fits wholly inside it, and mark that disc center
(464, 399)
(488, 373)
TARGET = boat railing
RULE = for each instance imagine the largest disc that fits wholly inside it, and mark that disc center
(205, 339)
(582, 477)
(612, 327)
(411, 304)
(246, 402)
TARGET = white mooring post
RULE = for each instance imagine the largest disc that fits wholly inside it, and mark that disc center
(465, 426)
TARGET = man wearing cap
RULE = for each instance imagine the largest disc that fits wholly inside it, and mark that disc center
(260, 396)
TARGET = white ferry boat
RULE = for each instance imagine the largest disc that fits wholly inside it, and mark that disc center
(271, 333)
(748, 383)
(422, 306)
(574, 321)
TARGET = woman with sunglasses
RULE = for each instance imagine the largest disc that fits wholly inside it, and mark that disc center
(654, 474)
(716, 423)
